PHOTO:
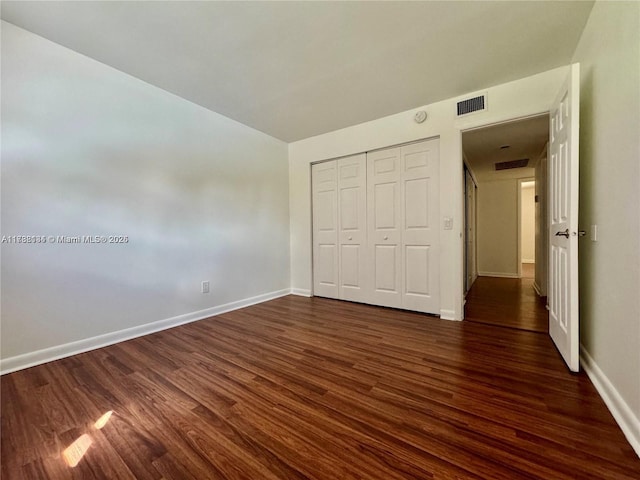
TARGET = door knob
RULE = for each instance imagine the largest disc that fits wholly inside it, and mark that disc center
(563, 234)
(350, 238)
(386, 238)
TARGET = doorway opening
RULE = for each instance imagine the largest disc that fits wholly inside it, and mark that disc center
(506, 237)
(527, 226)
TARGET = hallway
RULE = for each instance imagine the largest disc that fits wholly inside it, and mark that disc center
(507, 302)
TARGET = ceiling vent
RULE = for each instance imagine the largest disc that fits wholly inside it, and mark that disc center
(471, 105)
(512, 164)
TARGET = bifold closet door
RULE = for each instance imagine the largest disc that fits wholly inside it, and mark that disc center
(402, 199)
(375, 227)
(352, 228)
(384, 226)
(324, 186)
(339, 228)
(420, 164)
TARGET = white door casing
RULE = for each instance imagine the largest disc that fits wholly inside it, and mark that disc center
(324, 186)
(470, 230)
(563, 219)
(384, 226)
(352, 222)
(542, 225)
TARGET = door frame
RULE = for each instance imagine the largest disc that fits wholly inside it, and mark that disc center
(519, 249)
(465, 226)
(462, 131)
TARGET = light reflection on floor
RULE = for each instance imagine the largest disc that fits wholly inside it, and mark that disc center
(102, 421)
(74, 452)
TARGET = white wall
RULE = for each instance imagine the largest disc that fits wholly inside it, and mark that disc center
(609, 54)
(89, 150)
(528, 225)
(529, 96)
(498, 228)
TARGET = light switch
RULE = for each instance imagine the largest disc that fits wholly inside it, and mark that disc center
(594, 233)
(448, 223)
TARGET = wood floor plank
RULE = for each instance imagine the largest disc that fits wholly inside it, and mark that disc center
(507, 302)
(315, 389)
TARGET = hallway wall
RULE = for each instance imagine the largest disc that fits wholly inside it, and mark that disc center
(498, 228)
(609, 54)
(528, 225)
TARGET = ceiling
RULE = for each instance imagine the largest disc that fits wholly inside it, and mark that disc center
(525, 138)
(299, 69)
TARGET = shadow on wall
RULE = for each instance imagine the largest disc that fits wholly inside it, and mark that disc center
(187, 195)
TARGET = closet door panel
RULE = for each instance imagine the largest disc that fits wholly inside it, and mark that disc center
(416, 204)
(384, 226)
(352, 198)
(417, 270)
(386, 261)
(385, 206)
(420, 232)
(324, 186)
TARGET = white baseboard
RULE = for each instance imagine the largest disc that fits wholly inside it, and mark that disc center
(448, 315)
(302, 292)
(498, 274)
(26, 360)
(526, 260)
(538, 290)
(627, 420)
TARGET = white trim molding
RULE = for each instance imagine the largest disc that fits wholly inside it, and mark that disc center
(498, 274)
(627, 420)
(31, 359)
(302, 292)
(537, 289)
(448, 315)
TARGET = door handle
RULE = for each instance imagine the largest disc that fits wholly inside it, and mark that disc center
(563, 234)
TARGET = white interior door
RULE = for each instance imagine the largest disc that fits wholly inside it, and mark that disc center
(563, 213)
(384, 226)
(420, 226)
(324, 186)
(352, 221)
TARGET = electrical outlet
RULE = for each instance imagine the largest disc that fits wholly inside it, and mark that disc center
(205, 286)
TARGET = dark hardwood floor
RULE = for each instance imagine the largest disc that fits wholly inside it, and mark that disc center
(300, 388)
(507, 302)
